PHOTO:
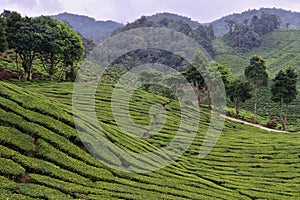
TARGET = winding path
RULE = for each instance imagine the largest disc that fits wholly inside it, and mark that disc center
(249, 123)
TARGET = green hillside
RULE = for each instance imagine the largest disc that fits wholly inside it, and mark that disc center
(279, 49)
(42, 157)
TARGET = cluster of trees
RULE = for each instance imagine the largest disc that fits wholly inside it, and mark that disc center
(152, 78)
(247, 35)
(284, 85)
(202, 34)
(52, 44)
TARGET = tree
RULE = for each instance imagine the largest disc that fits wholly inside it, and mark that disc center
(61, 47)
(52, 45)
(73, 52)
(149, 77)
(174, 81)
(238, 91)
(193, 75)
(28, 42)
(257, 75)
(3, 41)
(13, 22)
(284, 91)
(216, 72)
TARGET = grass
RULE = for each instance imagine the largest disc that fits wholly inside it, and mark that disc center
(42, 156)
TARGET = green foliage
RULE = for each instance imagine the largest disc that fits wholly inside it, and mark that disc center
(239, 91)
(201, 34)
(39, 191)
(257, 75)
(256, 72)
(160, 17)
(3, 37)
(284, 90)
(62, 170)
(14, 138)
(280, 48)
(13, 20)
(9, 167)
(44, 38)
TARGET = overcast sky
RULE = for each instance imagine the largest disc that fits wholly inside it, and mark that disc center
(129, 10)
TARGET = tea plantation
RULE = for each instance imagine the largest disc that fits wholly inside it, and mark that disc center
(42, 156)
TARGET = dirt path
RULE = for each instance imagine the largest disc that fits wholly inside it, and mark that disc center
(249, 123)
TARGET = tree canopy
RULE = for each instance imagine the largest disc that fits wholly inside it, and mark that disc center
(284, 91)
(256, 74)
(43, 39)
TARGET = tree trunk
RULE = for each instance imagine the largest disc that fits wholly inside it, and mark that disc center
(17, 65)
(30, 62)
(208, 99)
(237, 108)
(255, 104)
(29, 77)
(198, 99)
(280, 112)
(285, 117)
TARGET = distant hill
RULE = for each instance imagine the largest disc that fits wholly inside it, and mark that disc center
(174, 17)
(279, 48)
(293, 18)
(89, 27)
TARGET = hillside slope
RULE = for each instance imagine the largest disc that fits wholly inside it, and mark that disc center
(280, 49)
(43, 158)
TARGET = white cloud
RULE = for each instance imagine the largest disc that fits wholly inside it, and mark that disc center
(128, 10)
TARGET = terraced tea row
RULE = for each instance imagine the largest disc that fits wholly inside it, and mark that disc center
(42, 156)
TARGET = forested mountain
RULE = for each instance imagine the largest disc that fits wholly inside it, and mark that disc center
(202, 34)
(98, 30)
(89, 27)
(173, 17)
(288, 18)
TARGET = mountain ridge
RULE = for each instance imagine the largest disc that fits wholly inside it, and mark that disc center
(88, 26)
(98, 30)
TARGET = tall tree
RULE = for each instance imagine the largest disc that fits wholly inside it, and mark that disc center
(3, 41)
(284, 91)
(73, 52)
(216, 72)
(257, 75)
(194, 76)
(238, 91)
(175, 81)
(28, 43)
(61, 47)
(51, 49)
(13, 21)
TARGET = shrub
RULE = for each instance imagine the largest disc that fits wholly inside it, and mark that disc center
(272, 123)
